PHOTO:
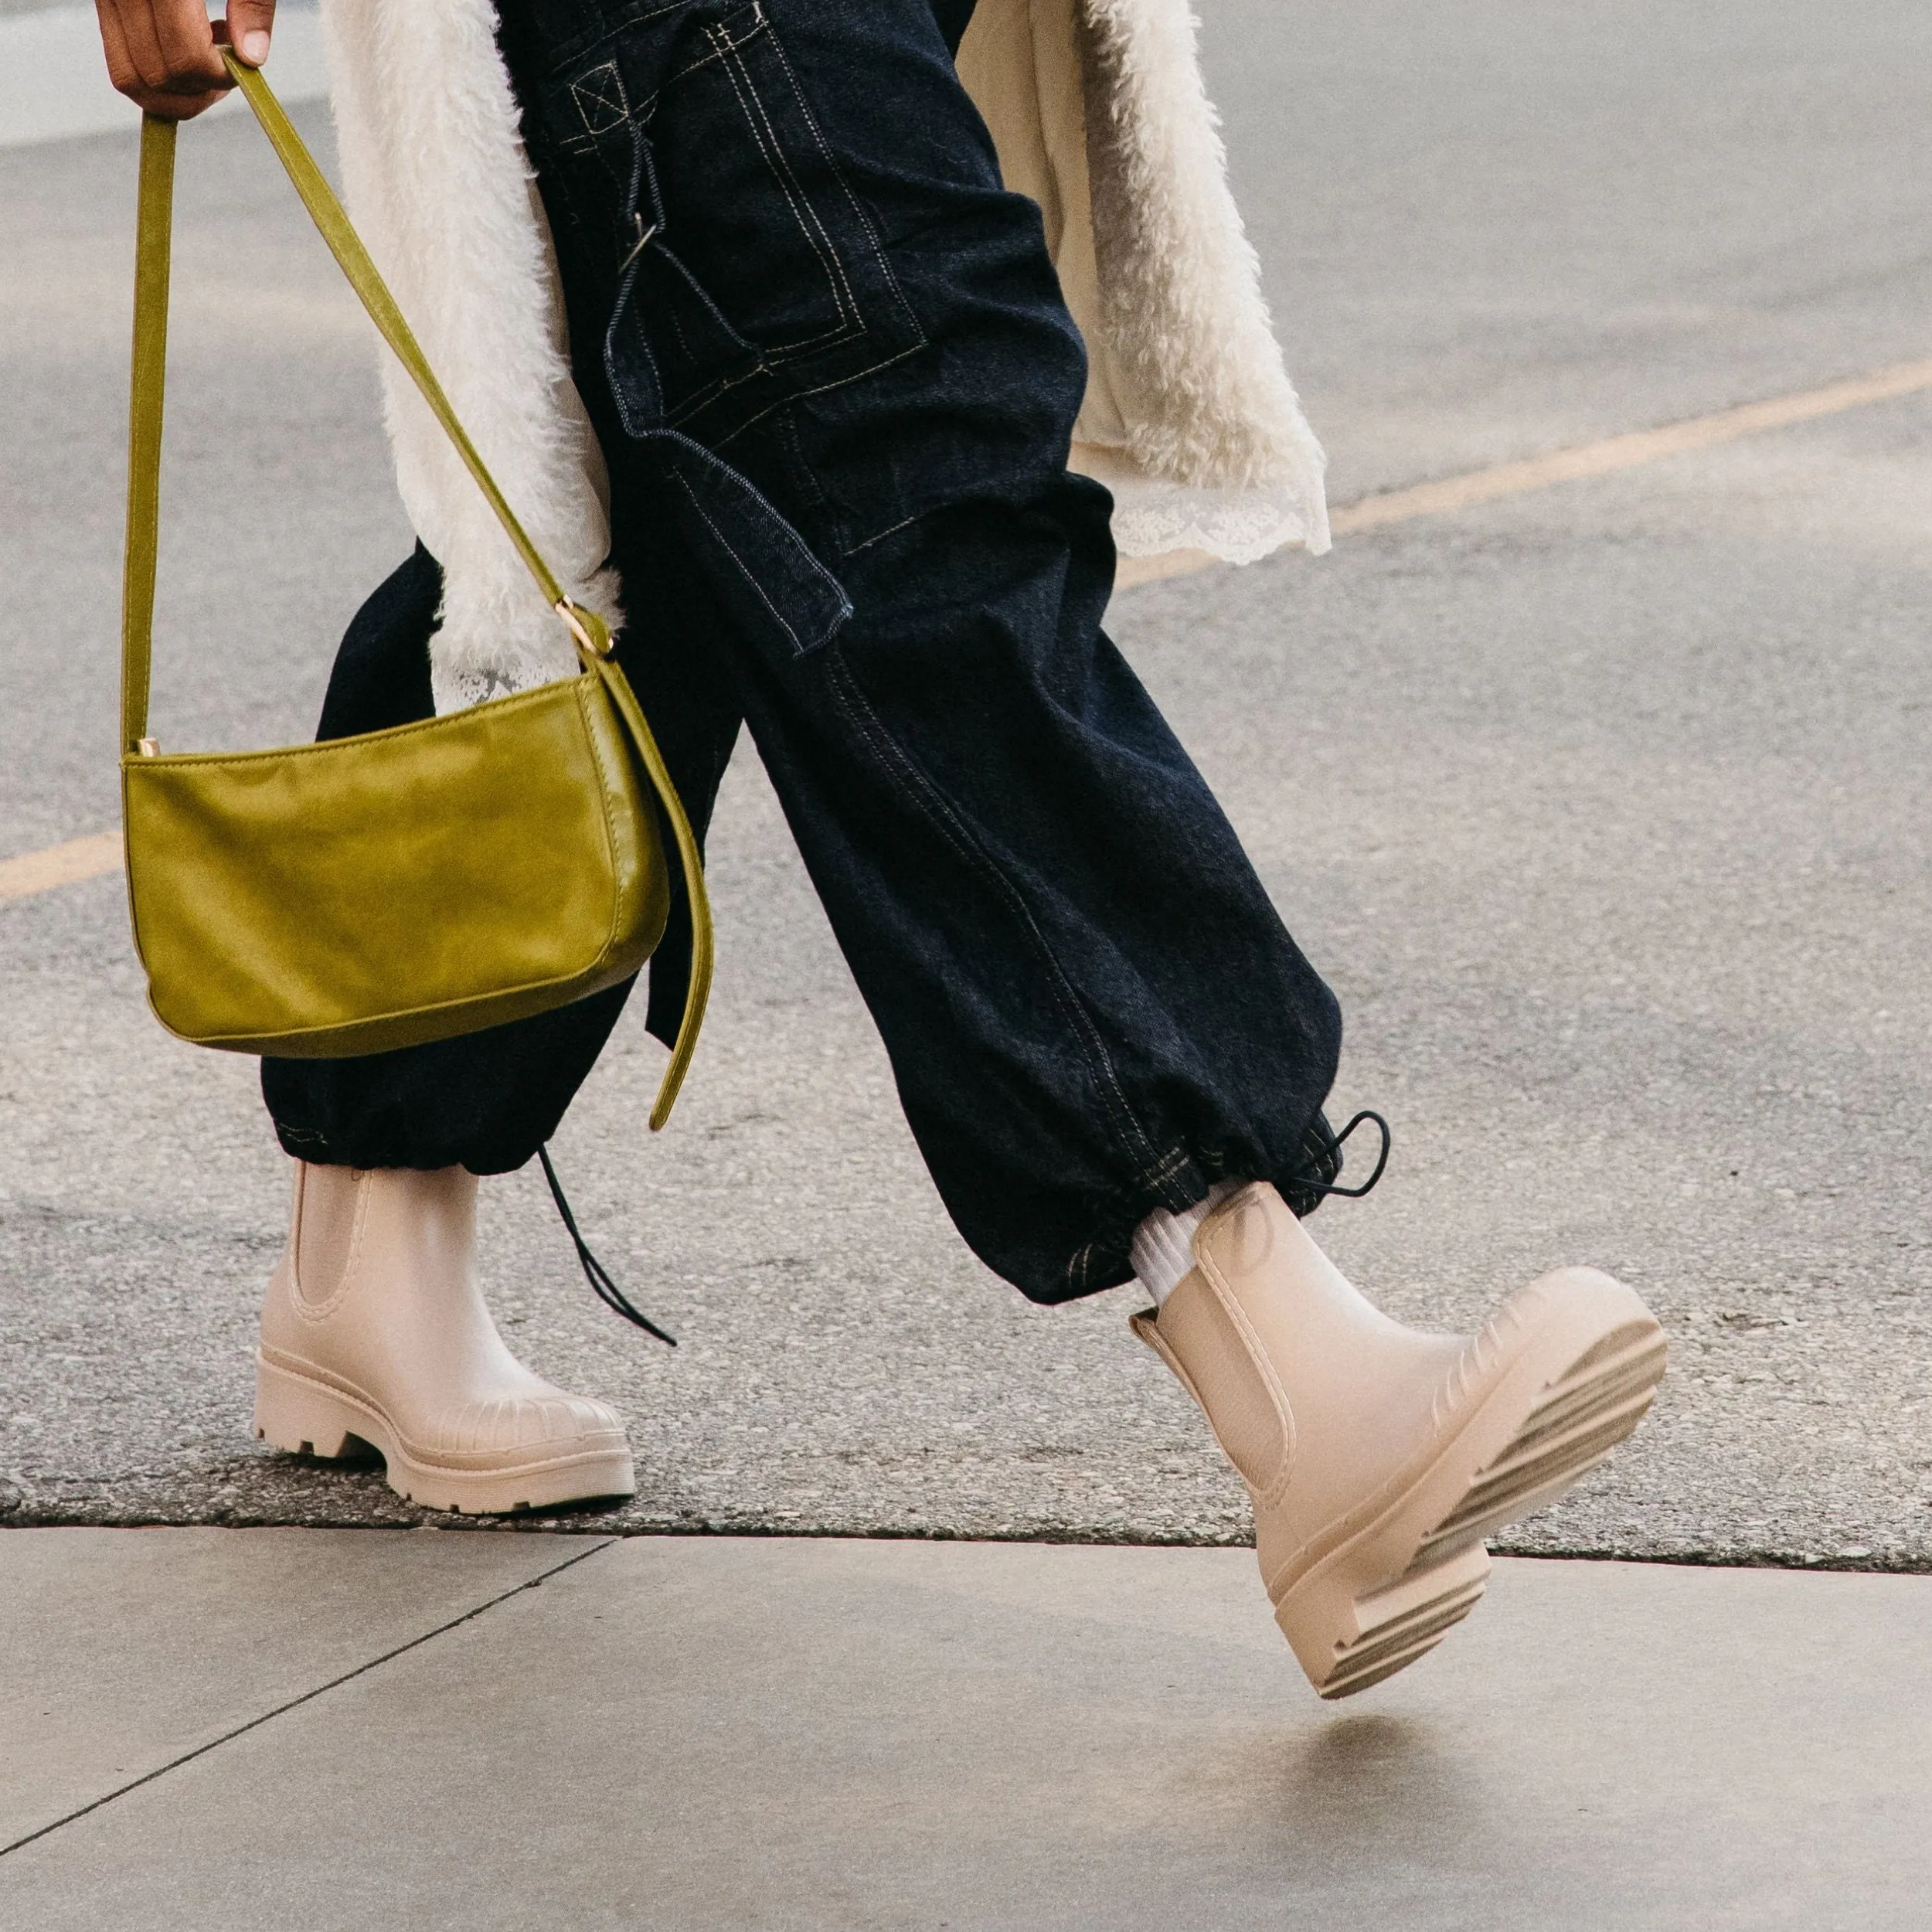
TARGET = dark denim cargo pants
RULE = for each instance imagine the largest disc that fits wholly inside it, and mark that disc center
(829, 361)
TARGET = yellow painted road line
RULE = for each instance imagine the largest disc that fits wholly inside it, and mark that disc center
(36, 872)
(1626, 452)
(1586, 459)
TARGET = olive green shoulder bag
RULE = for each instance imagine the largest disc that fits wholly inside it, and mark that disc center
(404, 885)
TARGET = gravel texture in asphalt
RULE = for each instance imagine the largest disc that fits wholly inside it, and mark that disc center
(1604, 809)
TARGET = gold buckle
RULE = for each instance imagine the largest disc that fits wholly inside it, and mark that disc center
(572, 615)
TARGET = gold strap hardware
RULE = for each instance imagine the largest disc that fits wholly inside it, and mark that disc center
(593, 634)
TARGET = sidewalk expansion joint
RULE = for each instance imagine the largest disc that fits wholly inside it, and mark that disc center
(308, 1696)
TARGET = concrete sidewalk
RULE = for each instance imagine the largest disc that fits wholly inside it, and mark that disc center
(692, 1733)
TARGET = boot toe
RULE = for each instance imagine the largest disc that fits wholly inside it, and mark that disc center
(560, 1423)
(1378, 1457)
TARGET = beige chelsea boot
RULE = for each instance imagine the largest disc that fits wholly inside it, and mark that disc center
(1378, 1457)
(374, 1328)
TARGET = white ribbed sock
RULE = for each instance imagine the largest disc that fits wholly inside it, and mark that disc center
(1164, 1243)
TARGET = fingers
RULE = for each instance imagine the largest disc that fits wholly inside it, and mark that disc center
(161, 54)
(250, 23)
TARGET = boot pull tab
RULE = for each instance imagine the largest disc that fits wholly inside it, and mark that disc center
(594, 1271)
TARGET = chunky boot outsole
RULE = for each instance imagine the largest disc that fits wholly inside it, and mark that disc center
(1562, 1375)
(306, 1415)
(1378, 1456)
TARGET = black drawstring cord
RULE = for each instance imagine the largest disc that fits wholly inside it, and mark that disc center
(615, 1300)
(594, 1271)
(1355, 1193)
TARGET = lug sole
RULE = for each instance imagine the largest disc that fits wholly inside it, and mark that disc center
(306, 1417)
(1391, 1593)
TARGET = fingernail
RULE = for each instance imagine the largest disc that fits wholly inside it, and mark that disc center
(254, 47)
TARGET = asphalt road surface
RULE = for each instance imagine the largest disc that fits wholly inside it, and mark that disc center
(1605, 808)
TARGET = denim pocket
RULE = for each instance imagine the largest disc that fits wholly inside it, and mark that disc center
(742, 270)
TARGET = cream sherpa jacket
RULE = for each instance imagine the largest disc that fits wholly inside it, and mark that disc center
(1098, 112)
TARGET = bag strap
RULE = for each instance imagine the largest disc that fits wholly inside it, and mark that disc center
(152, 253)
(153, 248)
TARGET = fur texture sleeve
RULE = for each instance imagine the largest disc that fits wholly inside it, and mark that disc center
(441, 189)
(1100, 112)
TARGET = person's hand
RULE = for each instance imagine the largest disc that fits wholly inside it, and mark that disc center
(160, 53)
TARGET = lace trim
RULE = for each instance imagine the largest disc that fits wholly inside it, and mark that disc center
(457, 690)
(1152, 516)
(489, 647)
(1239, 526)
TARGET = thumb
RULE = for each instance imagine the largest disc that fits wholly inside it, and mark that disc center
(250, 23)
